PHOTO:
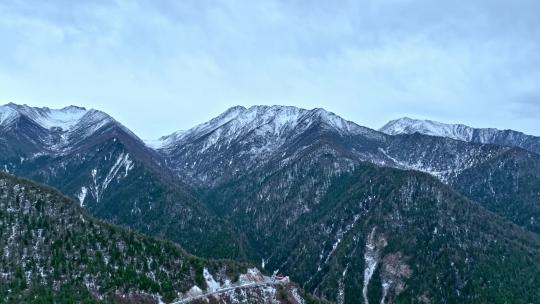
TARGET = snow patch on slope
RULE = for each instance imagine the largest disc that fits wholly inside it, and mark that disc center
(371, 259)
(82, 195)
(64, 118)
(123, 162)
(341, 233)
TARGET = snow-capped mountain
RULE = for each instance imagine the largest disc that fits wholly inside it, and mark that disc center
(465, 133)
(63, 119)
(242, 156)
(55, 131)
(410, 126)
(112, 173)
(270, 123)
(271, 188)
(243, 138)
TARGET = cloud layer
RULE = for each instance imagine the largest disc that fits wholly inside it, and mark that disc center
(178, 63)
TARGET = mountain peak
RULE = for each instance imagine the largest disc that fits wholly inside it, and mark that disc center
(461, 132)
(261, 120)
(73, 108)
(279, 117)
(408, 125)
(59, 129)
(65, 118)
(7, 114)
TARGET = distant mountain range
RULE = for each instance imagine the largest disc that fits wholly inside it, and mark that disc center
(339, 207)
(509, 138)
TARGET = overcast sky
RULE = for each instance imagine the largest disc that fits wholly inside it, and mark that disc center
(162, 66)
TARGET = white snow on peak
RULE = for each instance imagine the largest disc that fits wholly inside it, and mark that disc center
(428, 127)
(65, 118)
(237, 119)
(460, 132)
(266, 121)
(94, 120)
(340, 124)
(68, 119)
(73, 123)
(7, 114)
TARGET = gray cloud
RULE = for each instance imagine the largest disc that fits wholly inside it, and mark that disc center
(177, 63)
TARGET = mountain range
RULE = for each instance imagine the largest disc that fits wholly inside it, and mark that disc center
(464, 133)
(418, 211)
(95, 159)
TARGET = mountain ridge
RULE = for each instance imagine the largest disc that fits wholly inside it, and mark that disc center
(463, 132)
(244, 137)
(70, 123)
(116, 177)
(256, 116)
(241, 140)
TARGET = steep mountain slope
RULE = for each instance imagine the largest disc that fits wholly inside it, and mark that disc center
(412, 227)
(92, 157)
(241, 139)
(505, 180)
(251, 145)
(508, 184)
(386, 235)
(53, 252)
(291, 183)
(508, 138)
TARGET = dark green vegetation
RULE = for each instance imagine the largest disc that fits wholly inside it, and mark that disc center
(504, 180)
(445, 248)
(508, 185)
(53, 251)
(135, 196)
(449, 249)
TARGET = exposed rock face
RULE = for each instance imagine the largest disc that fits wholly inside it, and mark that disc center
(394, 274)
